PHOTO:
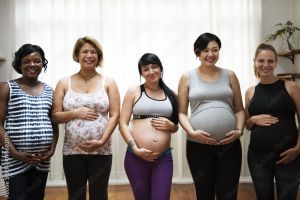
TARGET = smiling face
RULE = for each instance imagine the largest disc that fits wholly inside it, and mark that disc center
(87, 56)
(151, 73)
(31, 65)
(210, 55)
(265, 62)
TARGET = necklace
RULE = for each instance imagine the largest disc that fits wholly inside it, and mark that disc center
(86, 80)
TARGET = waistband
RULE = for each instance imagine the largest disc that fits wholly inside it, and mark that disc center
(163, 154)
(147, 116)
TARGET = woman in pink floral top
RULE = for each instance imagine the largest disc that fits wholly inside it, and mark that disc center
(89, 105)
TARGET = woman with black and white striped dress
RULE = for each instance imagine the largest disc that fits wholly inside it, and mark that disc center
(27, 135)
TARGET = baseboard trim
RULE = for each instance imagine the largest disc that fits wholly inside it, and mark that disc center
(124, 181)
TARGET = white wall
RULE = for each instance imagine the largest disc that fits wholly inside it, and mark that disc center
(6, 38)
(274, 12)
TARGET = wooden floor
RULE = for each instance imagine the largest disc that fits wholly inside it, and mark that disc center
(123, 192)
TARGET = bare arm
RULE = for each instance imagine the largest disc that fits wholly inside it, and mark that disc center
(237, 102)
(114, 108)
(248, 97)
(126, 113)
(165, 124)
(62, 116)
(238, 109)
(290, 154)
(55, 134)
(114, 114)
(183, 95)
(4, 138)
(59, 115)
(260, 120)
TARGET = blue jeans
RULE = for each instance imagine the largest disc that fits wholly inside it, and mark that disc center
(263, 170)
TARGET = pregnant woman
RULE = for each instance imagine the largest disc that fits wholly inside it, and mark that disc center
(148, 161)
(217, 119)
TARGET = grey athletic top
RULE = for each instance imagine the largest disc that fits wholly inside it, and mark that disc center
(147, 107)
(211, 105)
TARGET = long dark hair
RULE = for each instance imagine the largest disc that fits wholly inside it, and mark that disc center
(150, 58)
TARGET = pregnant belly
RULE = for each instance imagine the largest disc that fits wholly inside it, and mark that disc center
(215, 121)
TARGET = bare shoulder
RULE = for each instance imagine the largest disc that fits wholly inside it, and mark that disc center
(4, 88)
(109, 80)
(184, 80)
(232, 74)
(64, 81)
(133, 91)
(250, 92)
(185, 75)
(292, 87)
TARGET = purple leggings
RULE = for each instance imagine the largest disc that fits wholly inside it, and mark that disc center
(149, 180)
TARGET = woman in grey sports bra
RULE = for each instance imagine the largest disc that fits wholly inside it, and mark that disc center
(215, 124)
(148, 161)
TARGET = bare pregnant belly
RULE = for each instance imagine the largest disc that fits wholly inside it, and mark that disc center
(148, 137)
(215, 121)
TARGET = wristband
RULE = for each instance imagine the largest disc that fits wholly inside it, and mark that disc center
(131, 143)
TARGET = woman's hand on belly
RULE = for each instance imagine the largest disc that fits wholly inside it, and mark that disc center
(91, 145)
(86, 113)
(231, 136)
(162, 124)
(204, 137)
(264, 120)
(145, 154)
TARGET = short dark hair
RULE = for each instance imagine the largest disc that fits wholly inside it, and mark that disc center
(150, 58)
(25, 50)
(203, 40)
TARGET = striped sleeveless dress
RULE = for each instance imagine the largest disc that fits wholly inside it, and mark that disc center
(28, 126)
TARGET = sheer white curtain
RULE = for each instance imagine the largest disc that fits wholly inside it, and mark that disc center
(128, 29)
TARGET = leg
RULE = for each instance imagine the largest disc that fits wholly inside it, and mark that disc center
(287, 180)
(139, 174)
(161, 182)
(201, 160)
(75, 169)
(262, 174)
(228, 171)
(37, 180)
(17, 186)
(99, 167)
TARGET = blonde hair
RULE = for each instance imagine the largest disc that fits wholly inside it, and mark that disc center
(87, 39)
(261, 47)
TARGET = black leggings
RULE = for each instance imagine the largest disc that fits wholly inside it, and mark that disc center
(92, 168)
(215, 169)
(264, 170)
(28, 185)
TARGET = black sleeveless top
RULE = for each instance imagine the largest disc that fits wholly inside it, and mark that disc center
(273, 99)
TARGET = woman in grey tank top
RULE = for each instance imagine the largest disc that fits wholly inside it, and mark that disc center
(215, 124)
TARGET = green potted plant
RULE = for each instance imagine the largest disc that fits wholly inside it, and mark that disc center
(285, 32)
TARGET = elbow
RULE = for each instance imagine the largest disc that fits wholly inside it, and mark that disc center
(55, 118)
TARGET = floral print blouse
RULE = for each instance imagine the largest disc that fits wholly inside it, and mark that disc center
(79, 130)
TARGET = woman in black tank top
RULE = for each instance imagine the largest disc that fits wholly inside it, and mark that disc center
(274, 141)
